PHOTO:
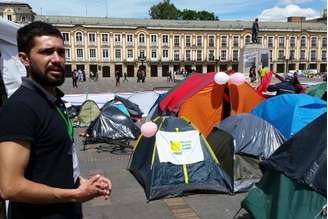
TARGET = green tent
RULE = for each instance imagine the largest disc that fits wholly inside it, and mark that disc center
(89, 111)
(317, 90)
(294, 183)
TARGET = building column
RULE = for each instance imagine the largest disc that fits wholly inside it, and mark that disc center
(204, 69)
(159, 70)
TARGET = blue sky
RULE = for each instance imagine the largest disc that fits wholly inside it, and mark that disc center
(268, 10)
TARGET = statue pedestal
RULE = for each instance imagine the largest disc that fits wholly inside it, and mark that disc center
(253, 53)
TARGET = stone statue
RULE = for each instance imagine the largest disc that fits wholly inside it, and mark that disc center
(255, 30)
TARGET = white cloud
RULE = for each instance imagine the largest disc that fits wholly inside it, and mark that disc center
(281, 14)
(294, 1)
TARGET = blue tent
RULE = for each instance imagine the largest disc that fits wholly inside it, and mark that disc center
(289, 113)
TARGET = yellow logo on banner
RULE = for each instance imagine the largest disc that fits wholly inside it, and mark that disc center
(176, 147)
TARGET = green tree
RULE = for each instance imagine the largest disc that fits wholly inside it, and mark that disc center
(187, 14)
(164, 10)
(205, 15)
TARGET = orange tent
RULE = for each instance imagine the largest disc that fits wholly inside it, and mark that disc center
(215, 102)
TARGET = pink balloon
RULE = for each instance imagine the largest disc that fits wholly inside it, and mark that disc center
(148, 129)
(237, 78)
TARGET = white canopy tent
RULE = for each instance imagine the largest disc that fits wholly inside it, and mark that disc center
(12, 70)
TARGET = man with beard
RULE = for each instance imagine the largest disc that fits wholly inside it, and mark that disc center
(39, 172)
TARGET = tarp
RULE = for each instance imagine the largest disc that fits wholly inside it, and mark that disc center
(132, 108)
(240, 142)
(145, 100)
(11, 68)
(112, 125)
(161, 178)
(289, 113)
(294, 184)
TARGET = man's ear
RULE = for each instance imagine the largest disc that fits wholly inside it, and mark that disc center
(23, 57)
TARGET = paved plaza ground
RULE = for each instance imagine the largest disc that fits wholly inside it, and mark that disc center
(128, 199)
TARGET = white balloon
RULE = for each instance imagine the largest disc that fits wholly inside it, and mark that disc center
(221, 78)
(237, 78)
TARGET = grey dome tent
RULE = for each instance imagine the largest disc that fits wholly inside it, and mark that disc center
(112, 126)
(240, 142)
(294, 183)
(176, 161)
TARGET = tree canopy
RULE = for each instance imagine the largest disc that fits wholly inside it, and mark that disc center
(167, 10)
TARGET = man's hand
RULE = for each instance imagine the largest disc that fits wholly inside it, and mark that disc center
(94, 187)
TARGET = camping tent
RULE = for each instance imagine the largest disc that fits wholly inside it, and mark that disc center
(177, 160)
(111, 126)
(317, 90)
(294, 184)
(290, 112)
(203, 102)
(240, 142)
(133, 109)
(11, 69)
(88, 112)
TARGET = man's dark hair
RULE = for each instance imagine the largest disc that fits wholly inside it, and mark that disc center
(26, 34)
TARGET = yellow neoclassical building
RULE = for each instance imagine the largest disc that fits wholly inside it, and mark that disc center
(106, 45)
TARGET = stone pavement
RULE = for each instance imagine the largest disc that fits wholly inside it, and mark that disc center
(128, 199)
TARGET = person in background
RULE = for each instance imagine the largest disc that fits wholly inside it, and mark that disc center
(252, 73)
(117, 78)
(39, 170)
(125, 76)
(74, 78)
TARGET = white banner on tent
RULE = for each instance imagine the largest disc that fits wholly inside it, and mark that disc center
(179, 147)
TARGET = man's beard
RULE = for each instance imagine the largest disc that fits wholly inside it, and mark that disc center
(44, 79)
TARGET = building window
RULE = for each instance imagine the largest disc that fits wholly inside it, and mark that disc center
(67, 54)
(154, 54)
(153, 39)
(324, 42)
(118, 54)
(292, 41)
(302, 57)
(78, 38)
(292, 55)
(105, 54)
(324, 55)
(223, 55)
(211, 41)
(92, 38)
(176, 55)
(165, 39)
(188, 55)
(303, 41)
(199, 55)
(235, 55)
(247, 39)
(313, 42)
(211, 55)
(235, 41)
(270, 42)
(223, 41)
(199, 41)
(259, 39)
(117, 39)
(281, 55)
(165, 53)
(23, 19)
(79, 54)
(270, 55)
(129, 39)
(176, 41)
(313, 56)
(65, 37)
(281, 42)
(141, 39)
(130, 54)
(142, 53)
(104, 38)
(92, 54)
(188, 41)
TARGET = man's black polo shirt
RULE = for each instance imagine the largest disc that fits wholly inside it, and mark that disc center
(30, 114)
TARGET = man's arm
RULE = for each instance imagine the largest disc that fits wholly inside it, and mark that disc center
(14, 157)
